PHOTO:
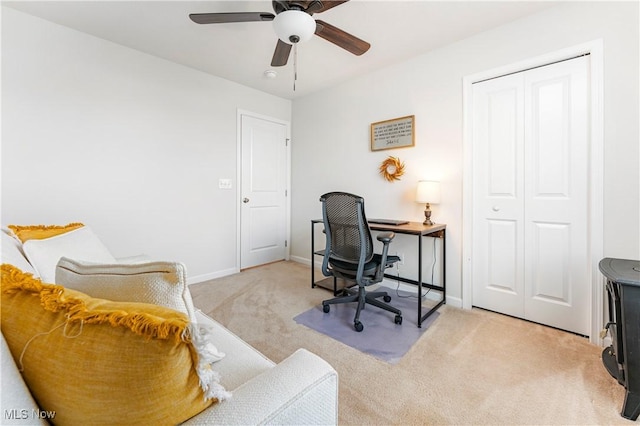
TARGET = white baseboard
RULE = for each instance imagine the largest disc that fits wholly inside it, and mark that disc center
(211, 276)
(299, 259)
(455, 302)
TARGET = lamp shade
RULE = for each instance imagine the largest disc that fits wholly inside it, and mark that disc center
(428, 191)
(294, 26)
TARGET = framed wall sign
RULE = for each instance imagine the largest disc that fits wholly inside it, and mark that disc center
(395, 133)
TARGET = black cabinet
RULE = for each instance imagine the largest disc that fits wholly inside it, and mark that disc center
(622, 358)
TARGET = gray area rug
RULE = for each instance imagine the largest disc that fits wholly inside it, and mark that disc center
(381, 337)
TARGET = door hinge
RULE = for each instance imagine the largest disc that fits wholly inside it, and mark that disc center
(285, 243)
(286, 193)
(286, 142)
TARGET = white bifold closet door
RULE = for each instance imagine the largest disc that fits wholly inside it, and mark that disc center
(530, 195)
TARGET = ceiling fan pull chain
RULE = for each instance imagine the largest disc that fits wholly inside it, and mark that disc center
(295, 65)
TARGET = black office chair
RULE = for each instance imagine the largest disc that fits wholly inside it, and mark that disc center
(349, 254)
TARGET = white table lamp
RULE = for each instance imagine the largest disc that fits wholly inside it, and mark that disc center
(428, 192)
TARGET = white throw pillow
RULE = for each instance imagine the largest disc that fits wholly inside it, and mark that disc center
(12, 254)
(160, 283)
(80, 244)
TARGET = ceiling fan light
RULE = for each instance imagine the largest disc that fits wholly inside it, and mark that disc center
(294, 26)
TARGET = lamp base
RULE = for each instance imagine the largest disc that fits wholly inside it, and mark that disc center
(427, 216)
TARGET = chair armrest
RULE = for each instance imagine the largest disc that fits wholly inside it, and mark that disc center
(302, 389)
(386, 237)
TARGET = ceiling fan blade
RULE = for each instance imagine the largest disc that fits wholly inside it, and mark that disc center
(223, 18)
(280, 6)
(310, 6)
(324, 5)
(341, 38)
(281, 54)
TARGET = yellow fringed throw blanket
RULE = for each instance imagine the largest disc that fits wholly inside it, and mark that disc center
(39, 232)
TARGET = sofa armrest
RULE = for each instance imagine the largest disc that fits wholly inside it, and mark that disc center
(17, 406)
(302, 389)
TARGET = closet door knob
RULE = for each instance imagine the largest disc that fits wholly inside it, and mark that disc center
(245, 200)
(495, 208)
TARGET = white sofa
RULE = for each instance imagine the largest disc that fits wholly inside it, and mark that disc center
(302, 389)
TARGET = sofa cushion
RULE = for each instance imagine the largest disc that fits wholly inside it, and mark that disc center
(80, 243)
(39, 232)
(95, 361)
(12, 254)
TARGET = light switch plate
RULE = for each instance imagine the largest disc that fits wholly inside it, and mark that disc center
(224, 183)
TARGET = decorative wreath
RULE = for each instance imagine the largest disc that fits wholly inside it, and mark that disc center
(392, 168)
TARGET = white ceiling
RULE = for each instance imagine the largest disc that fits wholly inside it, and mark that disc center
(241, 52)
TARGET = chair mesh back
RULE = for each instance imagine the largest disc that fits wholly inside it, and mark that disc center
(342, 215)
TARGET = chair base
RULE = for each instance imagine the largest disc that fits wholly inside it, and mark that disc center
(363, 297)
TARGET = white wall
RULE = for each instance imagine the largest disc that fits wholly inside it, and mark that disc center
(130, 144)
(330, 134)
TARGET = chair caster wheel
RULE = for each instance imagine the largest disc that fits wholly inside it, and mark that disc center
(398, 319)
(358, 326)
(326, 308)
(387, 298)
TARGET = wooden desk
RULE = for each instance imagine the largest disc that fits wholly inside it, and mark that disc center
(411, 228)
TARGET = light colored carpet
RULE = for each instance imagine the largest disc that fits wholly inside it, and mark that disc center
(469, 367)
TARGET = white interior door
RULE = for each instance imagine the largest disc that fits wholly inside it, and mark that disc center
(263, 214)
(530, 220)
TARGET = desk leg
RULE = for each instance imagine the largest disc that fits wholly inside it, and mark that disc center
(313, 266)
(420, 281)
(443, 288)
(444, 266)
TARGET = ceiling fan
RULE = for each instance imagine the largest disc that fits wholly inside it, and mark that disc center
(293, 23)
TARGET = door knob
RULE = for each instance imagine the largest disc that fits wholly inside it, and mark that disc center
(495, 208)
(245, 200)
